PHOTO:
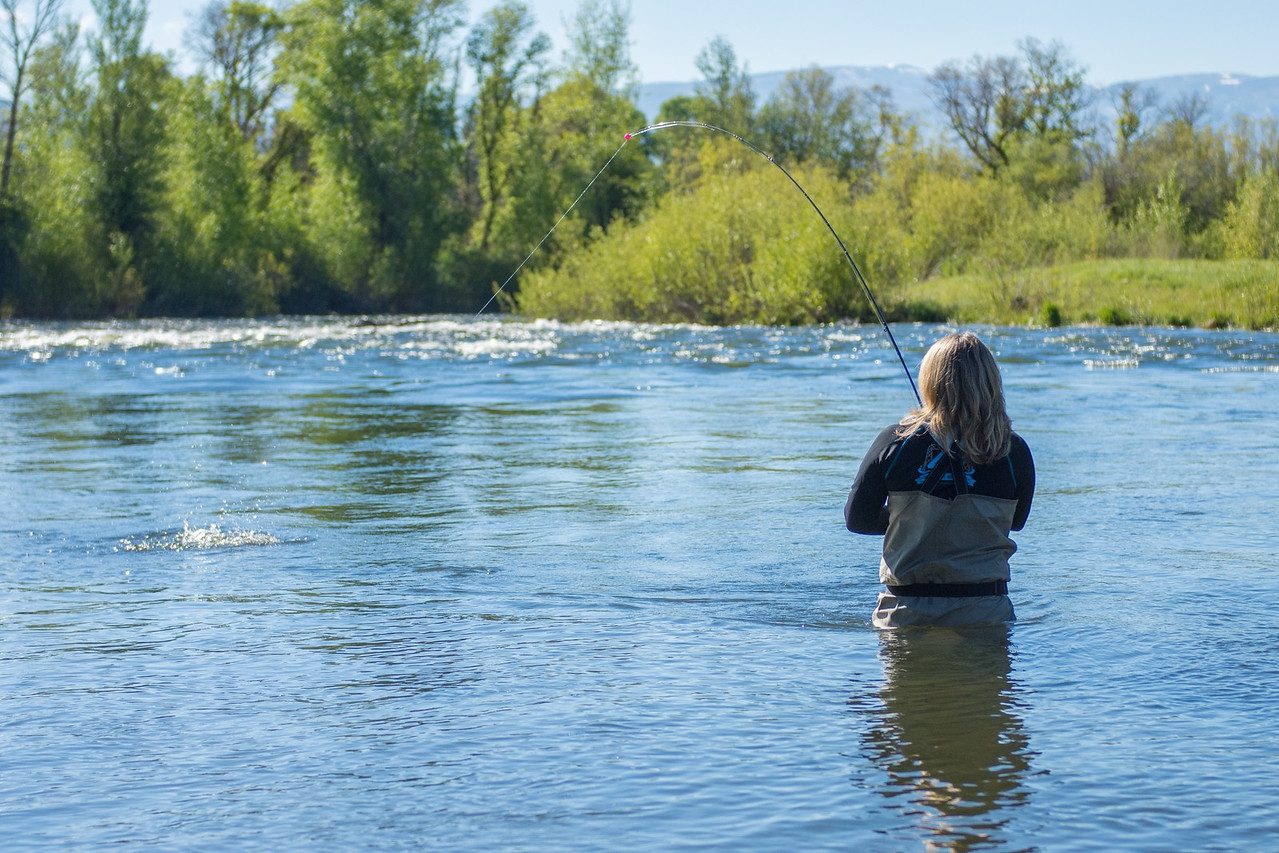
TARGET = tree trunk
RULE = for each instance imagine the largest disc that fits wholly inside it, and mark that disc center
(12, 131)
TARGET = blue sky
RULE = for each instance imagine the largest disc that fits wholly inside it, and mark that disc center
(1116, 40)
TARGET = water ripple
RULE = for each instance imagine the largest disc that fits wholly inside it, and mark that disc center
(304, 582)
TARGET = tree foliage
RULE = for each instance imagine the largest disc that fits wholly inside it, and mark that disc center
(125, 132)
(809, 120)
(994, 105)
(238, 41)
(725, 97)
(509, 66)
(323, 158)
(373, 88)
(600, 49)
(20, 36)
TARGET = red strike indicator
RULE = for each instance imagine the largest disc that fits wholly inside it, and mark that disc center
(628, 137)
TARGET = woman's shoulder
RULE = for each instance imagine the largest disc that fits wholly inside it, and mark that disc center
(892, 436)
(1020, 456)
(888, 434)
(889, 444)
(883, 442)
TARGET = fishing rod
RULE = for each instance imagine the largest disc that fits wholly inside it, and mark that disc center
(870, 296)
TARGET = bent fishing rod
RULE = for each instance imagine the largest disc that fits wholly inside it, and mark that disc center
(870, 296)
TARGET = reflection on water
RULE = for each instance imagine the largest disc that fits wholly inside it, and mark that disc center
(947, 733)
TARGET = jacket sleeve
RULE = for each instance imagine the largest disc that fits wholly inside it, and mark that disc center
(1024, 473)
(866, 510)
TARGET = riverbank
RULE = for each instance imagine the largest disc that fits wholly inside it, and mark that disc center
(1115, 292)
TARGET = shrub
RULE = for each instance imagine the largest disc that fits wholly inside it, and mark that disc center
(1251, 225)
(1050, 315)
(744, 247)
(1112, 316)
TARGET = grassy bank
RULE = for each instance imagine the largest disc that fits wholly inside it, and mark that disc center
(1201, 293)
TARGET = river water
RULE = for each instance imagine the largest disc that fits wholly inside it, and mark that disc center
(434, 582)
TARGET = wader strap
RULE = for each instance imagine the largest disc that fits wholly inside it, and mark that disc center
(957, 471)
(956, 468)
(934, 476)
(951, 590)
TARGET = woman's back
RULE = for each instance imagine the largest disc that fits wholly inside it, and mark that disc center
(946, 516)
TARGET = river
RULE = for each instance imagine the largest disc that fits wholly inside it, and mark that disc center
(435, 582)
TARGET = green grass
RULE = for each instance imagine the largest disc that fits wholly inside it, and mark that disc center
(1198, 293)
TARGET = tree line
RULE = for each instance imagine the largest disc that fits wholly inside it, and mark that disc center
(324, 158)
(1027, 178)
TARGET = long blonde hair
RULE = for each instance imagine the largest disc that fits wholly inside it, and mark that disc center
(963, 399)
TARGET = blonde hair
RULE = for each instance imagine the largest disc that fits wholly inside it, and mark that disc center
(963, 400)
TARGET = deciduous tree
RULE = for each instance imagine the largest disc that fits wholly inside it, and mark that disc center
(509, 65)
(993, 104)
(125, 137)
(600, 47)
(238, 41)
(724, 96)
(20, 42)
(374, 87)
(810, 120)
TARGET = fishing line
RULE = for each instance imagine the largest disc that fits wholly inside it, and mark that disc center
(557, 223)
(870, 296)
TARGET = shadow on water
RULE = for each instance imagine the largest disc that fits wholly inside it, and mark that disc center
(944, 728)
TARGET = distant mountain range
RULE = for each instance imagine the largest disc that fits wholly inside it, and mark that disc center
(1228, 95)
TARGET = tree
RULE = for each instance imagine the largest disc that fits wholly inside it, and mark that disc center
(586, 117)
(50, 240)
(808, 119)
(995, 104)
(983, 104)
(125, 136)
(60, 94)
(582, 127)
(1250, 228)
(725, 97)
(1197, 156)
(1055, 97)
(1132, 104)
(533, 154)
(20, 42)
(373, 87)
(1188, 109)
(600, 48)
(508, 63)
(238, 41)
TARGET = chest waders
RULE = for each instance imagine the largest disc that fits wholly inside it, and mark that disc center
(945, 561)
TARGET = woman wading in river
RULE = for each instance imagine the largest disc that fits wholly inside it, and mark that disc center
(944, 487)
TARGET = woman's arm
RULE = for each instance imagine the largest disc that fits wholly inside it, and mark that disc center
(866, 510)
(1024, 473)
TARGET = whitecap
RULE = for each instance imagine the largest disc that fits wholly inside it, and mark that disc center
(1112, 363)
(199, 538)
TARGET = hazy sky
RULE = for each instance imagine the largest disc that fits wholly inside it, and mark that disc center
(1114, 39)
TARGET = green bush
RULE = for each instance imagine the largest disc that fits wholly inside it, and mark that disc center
(1050, 315)
(1112, 316)
(1218, 320)
(743, 247)
(1251, 225)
